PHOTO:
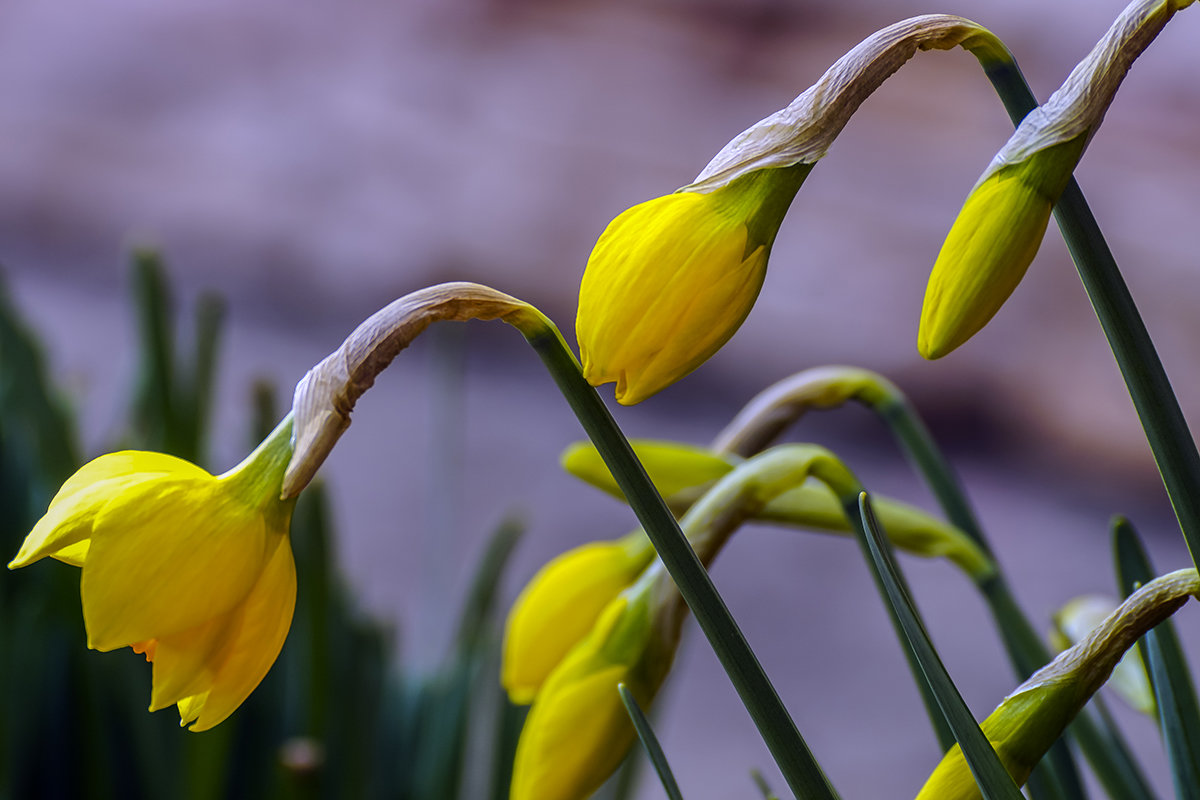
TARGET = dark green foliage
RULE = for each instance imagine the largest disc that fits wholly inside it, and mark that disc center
(334, 718)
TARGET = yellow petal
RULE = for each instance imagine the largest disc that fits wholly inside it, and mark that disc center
(63, 531)
(560, 605)
(167, 555)
(256, 634)
(183, 662)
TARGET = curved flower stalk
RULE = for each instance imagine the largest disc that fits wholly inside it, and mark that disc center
(193, 570)
(577, 731)
(1129, 679)
(683, 472)
(326, 395)
(1029, 720)
(672, 279)
(561, 603)
(325, 398)
(1001, 225)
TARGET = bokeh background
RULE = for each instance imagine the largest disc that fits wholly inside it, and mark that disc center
(312, 161)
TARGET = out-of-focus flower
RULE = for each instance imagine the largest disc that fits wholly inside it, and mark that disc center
(671, 279)
(1001, 225)
(1076, 620)
(1030, 720)
(193, 570)
(562, 602)
(991, 245)
(578, 731)
(682, 472)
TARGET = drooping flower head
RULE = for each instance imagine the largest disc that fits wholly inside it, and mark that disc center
(671, 279)
(1000, 227)
(991, 245)
(191, 569)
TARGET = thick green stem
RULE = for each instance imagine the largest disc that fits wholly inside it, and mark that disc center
(788, 748)
(1154, 400)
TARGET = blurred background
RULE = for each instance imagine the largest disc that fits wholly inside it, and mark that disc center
(312, 161)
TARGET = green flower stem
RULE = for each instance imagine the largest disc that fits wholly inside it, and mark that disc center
(1153, 398)
(1155, 402)
(796, 762)
(1026, 650)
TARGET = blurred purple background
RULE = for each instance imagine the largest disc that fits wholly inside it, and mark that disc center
(312, 161)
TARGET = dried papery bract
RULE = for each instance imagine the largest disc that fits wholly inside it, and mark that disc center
(1002, 223)
(1129, 680)
(1028, 721)
(672, 279)
(326, 395)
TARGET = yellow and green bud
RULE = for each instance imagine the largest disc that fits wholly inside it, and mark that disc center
(991, 245)
(560, 605)
(671, 280)
(1001, 225)
(193, 570)
(1031, 719)
(578, 732)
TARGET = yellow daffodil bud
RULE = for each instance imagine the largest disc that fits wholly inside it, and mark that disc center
(560, 605)
(682, 472)
(1076, 620)
(1000, 227)
(674, 468)
(671, 279)
(991, 245)
(193, 570)
(578, 732)
(1030, 720)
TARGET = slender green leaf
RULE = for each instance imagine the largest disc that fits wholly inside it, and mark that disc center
(1174, 692)
(476, 621)
(154, 410)
(650, 742)
(796, 761)
(994, 781)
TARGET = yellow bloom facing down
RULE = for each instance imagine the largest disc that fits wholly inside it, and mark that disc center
(671, 279)
(991, 245)
(193, 570)
(562, 602)
(578, 731)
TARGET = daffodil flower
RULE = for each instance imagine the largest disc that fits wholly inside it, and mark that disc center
(1001, 225)
(671, 279)
(191, 569)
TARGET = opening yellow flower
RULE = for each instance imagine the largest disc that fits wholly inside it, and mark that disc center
(193, 570)
(671, 279)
